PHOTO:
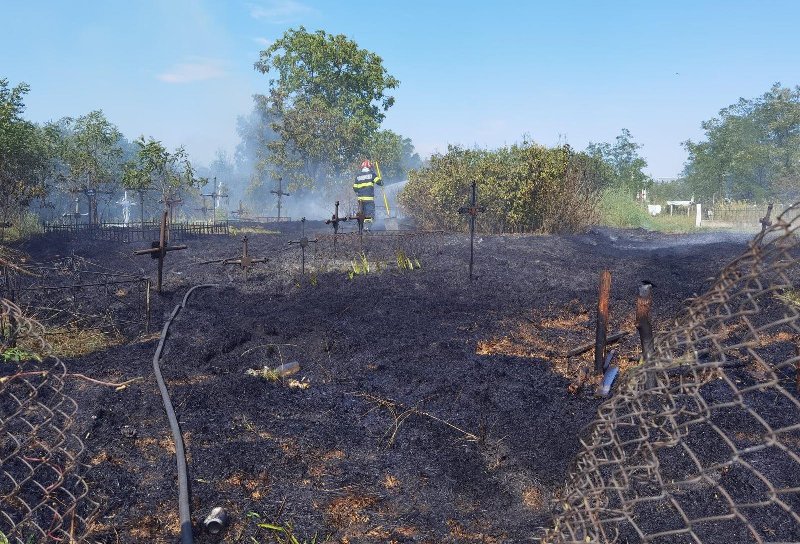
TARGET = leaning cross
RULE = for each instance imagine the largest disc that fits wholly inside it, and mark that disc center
(245, 261)
(472, 210)
(335, 220)
(170, 203)
(159, 249)
(280, 194)
(765, 221)
(303, 241)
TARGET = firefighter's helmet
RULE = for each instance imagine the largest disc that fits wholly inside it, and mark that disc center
(366, 164)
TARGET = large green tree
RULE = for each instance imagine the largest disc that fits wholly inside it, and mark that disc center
(751, 149)
(395, 154)
(626, 166)
(327, 98)
(155, 168)
(24, 154)
(92, 152)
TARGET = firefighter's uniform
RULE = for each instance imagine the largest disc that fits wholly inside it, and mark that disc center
(364, 186)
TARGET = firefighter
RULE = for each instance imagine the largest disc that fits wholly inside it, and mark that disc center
(364, 187)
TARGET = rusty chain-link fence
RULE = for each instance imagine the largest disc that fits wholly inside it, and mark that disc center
(702, 445)
(43, 496)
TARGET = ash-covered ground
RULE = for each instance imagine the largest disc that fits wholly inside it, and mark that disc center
(428, 408)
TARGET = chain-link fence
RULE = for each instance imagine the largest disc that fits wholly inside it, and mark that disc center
(703, 443)
(43, 496)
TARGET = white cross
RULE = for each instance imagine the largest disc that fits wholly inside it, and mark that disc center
(219, 195)
(126, 204)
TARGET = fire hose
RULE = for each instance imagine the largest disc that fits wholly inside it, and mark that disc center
(180, 453)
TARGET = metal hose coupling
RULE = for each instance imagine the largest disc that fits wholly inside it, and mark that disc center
(216, 521)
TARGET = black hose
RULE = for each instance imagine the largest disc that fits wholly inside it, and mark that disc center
(180, 453)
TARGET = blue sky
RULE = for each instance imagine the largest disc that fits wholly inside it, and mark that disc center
(472, 73)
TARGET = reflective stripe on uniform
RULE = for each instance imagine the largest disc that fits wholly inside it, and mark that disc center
(366, 198)
(362, 185)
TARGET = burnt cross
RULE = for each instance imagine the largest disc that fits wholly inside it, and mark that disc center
(335, 220)
(303, 241)
(360, 217)
(765, 221)
(245, 261)
(472, 210)
(159, 249)
(280, 194)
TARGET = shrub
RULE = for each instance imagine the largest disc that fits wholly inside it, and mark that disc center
(525, 188)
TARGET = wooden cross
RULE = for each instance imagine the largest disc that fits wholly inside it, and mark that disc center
(765, 221)
(280, 194)
(171, 203)
(335, 220)
(303, 241)
(240, 212)
(159, 249)
(245, 261)
(472, 210)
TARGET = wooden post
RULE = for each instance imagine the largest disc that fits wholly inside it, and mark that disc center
(602, 322)
(644, 303)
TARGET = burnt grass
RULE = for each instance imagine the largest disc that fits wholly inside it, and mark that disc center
(403, 424)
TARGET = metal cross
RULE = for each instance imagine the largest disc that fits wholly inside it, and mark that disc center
(126, 204)
(335, 220)
(303, 241)
(77, 213)
(245, 261)
(280, 194)
(360, 217)
(159, 249)
(472, 210)
(219, 194)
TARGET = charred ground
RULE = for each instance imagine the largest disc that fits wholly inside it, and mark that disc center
(427, 408)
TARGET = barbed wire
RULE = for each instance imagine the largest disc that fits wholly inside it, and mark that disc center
(702, 445)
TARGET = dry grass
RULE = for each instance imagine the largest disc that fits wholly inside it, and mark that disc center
(551, 336)
(350, 510)
(73, 341)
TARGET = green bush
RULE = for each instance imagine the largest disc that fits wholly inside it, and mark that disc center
(618, 209)
(525, 188)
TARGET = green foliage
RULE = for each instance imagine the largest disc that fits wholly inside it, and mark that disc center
(157, 168)
(661, 191)
(326, 100)
(24, 159)
(91, 150)
(283, 533)
(751, 150)
(525, 188)
(625, 166)
(618, 209)
(17, 355)
(394, 153)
